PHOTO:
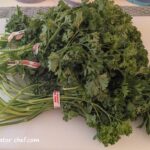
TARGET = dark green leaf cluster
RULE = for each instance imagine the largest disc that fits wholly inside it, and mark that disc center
(17, 22)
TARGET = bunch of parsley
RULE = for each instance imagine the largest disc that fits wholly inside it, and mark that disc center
(92, 54)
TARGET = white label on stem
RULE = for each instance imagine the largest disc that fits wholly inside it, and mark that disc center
(56, 99)
(17, 35)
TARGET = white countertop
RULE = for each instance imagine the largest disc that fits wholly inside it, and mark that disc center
(52, 133)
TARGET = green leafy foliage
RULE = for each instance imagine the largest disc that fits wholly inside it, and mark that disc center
(17, 22)
(111, 134)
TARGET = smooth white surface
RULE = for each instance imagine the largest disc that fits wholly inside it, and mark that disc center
(2, 25)
(55, 134)
(143, 25)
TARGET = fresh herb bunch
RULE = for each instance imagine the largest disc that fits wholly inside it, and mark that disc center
(92, 54)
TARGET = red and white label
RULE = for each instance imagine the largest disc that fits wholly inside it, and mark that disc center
(35, 48)
(56, 99)
(17, 35)
(30, 64)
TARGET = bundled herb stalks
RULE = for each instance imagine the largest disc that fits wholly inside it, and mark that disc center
(91, 55)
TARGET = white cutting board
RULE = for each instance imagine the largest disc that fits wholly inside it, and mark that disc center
(49, 132)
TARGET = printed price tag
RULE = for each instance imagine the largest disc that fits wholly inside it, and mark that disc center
(27, 63)
(30, 64)
(56, 99)
(35, 48)
(17, 35)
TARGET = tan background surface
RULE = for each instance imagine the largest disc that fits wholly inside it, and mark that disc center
(6, 3)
